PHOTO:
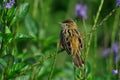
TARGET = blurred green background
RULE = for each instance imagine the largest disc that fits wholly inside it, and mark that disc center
(29, 33)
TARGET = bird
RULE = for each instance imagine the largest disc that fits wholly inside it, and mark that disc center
(71, 41)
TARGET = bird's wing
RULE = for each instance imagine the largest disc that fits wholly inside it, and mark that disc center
(65, 41)
(80, 40)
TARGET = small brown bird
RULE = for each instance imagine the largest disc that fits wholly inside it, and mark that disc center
(71, 41)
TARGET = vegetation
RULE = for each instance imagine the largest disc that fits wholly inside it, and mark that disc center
(29, 34)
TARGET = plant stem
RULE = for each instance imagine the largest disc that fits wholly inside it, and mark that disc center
(37, 63)
(52, 67)
(105, 19)
(94, 27)
(109, 15)
(115, 27)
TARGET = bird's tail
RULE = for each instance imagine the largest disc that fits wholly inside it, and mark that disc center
(77, 60)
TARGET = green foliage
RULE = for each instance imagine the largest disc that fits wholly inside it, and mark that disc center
(29, 34)
(31, 26)
(22, 11)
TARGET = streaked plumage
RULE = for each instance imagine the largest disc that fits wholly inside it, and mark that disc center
(71, 41)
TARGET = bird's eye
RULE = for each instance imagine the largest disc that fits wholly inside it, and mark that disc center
(66, 24)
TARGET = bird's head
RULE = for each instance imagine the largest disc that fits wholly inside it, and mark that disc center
(68, 24)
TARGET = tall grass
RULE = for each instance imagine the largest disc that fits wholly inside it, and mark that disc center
(29, 32)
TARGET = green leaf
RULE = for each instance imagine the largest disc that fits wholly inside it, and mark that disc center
(23, 77)
(11, 14)
(0, 7)
(49, 40)
(3, 64)
(1, 34)
(20, 37)
(16, 68)
(8, 58)
(7, 30)
(8, 37)
(31, 25)
(88, 68)
(22, 11)
(49, 43)
(13, 20)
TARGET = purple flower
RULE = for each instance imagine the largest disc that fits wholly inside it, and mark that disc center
(117, 2)
(115, 47)
(10, 4)
(106, 52)
(81, 11)
(115, 71)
